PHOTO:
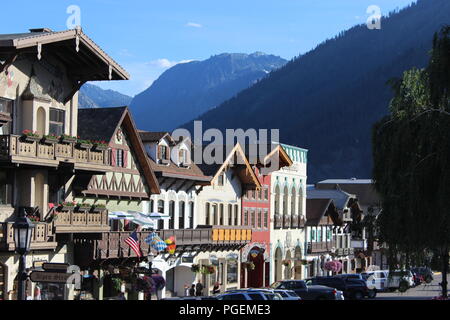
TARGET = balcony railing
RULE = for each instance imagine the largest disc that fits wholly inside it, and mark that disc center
(317, 247)
(43, 237)
(73, 221)
(112, 244)
(14, 148)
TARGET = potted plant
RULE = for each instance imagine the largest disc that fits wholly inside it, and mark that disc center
(304, 262)
(51, 138)
(97, 208)
(249, 265)
(68, 139)
(30, 136)
(84, 207)
(100, 145)
(67, 206)
(84, 144)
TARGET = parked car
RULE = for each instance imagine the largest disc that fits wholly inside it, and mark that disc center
(192, 298)
(376, 279)
(400, 280)
(309, 292)
(288, 294)
(352, 289)
(424, 272)
(371, 291)
(250, 294)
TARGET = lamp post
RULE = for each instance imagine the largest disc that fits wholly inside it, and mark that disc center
(23, 229)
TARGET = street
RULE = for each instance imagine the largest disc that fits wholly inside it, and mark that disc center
(421, 292)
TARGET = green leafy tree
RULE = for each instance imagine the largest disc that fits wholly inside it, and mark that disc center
(411, 150)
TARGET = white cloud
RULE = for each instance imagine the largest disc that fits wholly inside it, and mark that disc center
(162, 63)
(194, 25)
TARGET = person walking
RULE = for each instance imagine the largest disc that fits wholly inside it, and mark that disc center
(192, 291)
(199, 289)
(216, 288)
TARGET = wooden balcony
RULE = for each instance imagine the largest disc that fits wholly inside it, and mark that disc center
(43, 237)
(320, 247)
(112, 244)
(81, 222)
(14, 149)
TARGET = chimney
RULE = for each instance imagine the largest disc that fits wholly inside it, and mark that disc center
(36, 30)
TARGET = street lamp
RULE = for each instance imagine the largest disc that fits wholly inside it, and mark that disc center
(23, 229)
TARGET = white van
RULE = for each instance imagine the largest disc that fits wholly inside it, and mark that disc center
(376, 279)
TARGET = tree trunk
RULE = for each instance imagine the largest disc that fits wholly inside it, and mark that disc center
(445, 257)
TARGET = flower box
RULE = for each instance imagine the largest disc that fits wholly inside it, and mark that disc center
(65, 208)
(84, 208)
(27, 138)
(50, 140)
(84, 146)
(100, 147)
(98, 209)
(68, 139)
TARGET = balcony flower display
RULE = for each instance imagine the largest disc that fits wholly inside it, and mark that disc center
(31, 136)
(51, 138)
(84, 144)
(67, 206)
(100, 145)
(207, 269)
(333, 266)
(99, 207)
(84, 206)
(68, 139)
(195, 268)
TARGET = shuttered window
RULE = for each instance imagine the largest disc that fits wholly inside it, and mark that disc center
(57, 120)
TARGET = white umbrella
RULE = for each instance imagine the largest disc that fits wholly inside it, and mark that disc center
(142, 219)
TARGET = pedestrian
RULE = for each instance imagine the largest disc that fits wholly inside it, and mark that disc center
(186, 290)
(192, 290)
(199, 289)
(216, 288)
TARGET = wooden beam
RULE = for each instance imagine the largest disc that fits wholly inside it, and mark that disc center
(75, 89)
(5, 65)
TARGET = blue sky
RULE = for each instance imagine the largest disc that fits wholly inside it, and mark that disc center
(146, 36)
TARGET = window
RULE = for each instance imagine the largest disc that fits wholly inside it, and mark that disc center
(230, 215)
(266, 194)
(234, 297)
(163, 153)
(119, 158)
(221, 215)
(256, 296)
(214, 214)
(161, 210)
(181, 210)
(245, 218)
(207, 215)
(319, 235)
(57, 120)
(260, 219)
(191, 215)
(329, 233)
(285, 200)
(172, 215)
(5, 188)
(182, 156)
(266, 219)
(236, 215)
(6, 115)
(221, 180)
(293, 198)
(313, 234)
(253, 223)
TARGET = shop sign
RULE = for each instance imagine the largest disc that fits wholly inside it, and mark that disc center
(53, 277)
(56, 267)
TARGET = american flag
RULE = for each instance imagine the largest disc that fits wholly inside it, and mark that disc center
(133, 242)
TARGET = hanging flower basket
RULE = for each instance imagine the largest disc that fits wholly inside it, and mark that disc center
(304, 262)
(208, 269)
(333, 266)
(286, 263)
(195, 268)
(249, 265)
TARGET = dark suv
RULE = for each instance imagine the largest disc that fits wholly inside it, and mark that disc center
(308, 292)
(352, 288)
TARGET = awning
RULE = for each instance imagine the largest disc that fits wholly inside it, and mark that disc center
(120, 215)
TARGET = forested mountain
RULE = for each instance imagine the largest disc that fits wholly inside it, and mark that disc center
(187, 90)
(91, 96)
(328, 99)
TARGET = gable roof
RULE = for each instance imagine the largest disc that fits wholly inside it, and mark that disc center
(154, 137)
(340, 198)
(316, 209)
(245, 171)
(102, 123)
(362, 188)
(89, 63)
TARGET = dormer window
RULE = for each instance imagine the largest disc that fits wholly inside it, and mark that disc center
(163, 154)
(182, 156)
